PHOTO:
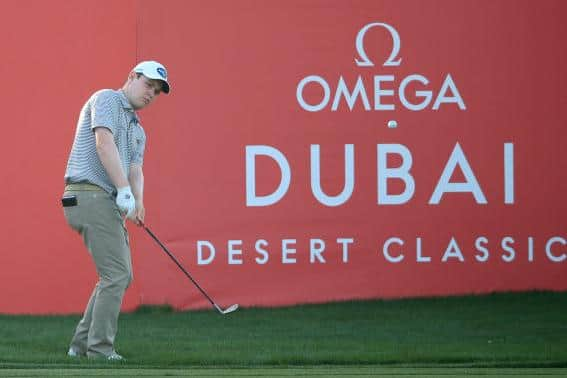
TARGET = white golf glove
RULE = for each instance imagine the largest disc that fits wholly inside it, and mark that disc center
(125, 201)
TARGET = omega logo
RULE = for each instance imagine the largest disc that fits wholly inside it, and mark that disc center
(379, 92)
(365, 62)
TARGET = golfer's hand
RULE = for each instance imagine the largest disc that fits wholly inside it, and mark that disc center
(139, 213)
(125, 201)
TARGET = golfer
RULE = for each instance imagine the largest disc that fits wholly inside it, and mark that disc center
(104, 186)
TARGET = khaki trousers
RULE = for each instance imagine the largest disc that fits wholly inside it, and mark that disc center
(97, 219)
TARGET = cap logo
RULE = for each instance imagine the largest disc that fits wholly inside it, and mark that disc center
(162, 72)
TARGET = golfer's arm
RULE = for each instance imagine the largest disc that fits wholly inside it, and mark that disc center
(136, 179)
(108, 155)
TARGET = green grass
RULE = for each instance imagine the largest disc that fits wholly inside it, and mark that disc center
(497, 331)
(321, 371)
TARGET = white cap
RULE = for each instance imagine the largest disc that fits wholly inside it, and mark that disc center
(153, 70)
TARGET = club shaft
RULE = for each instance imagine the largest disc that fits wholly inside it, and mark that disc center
(181, 267)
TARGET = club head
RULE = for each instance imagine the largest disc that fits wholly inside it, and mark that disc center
(230, 309)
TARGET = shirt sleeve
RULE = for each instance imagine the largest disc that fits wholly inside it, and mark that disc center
(105, 111)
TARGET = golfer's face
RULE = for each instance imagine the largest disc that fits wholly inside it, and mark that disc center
(143, 91)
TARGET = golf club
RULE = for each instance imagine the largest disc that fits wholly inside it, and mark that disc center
(230, 309)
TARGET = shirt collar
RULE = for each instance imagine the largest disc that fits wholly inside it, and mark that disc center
(126, 104)
(124, 100)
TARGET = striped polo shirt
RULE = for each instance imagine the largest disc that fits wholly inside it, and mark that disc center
(111, 109)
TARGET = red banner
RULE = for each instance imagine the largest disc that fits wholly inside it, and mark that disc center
(323, 150)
